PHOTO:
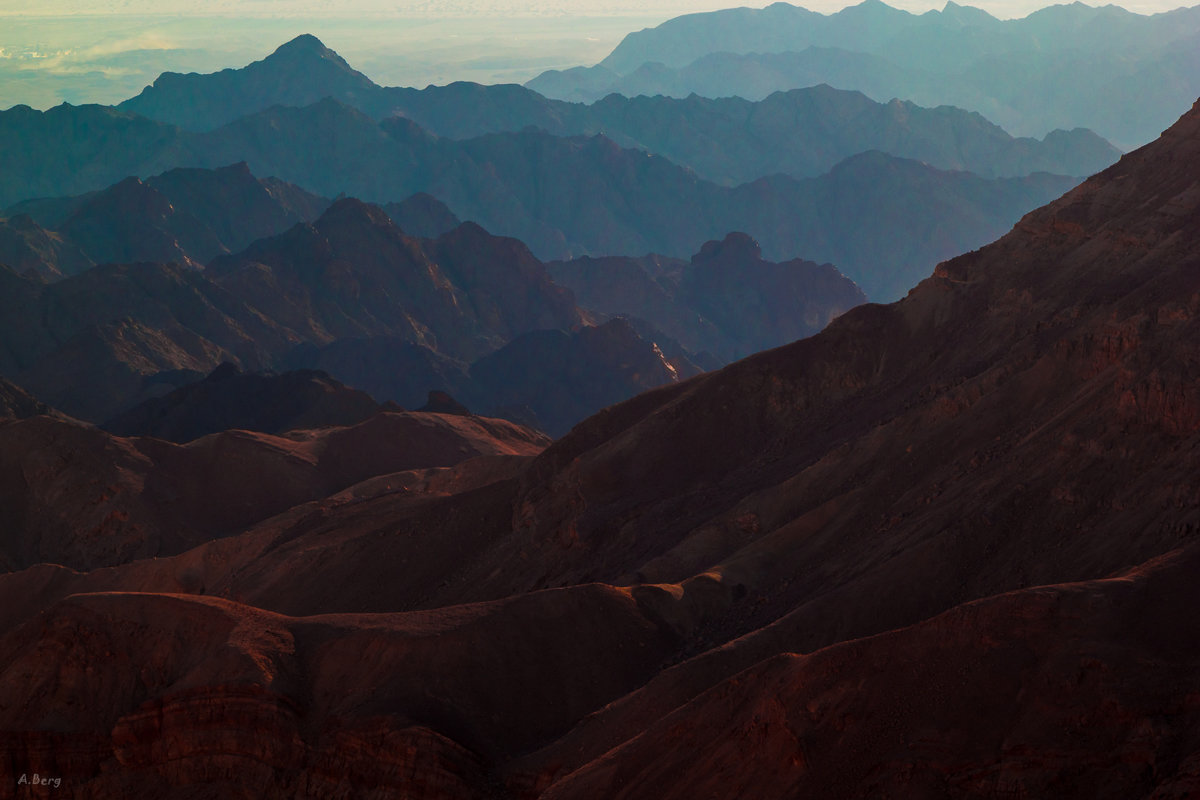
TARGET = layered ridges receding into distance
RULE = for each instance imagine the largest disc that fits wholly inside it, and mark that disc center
(1047, 456)
(587, 196)
(90, 343)
(69, 150)
(1143, 66)
(942, 548)
(806, 131)
(351, 293)
(879, 497)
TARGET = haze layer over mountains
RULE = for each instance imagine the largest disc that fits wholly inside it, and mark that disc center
(1121, 74)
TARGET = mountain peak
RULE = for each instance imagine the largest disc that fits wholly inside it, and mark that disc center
(966, 14)
(735, 245)
(304, 43)
(875, 7)
(352, 211)
(306, 48)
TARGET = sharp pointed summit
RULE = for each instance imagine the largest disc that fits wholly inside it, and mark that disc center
(300, 72)
(306, 47)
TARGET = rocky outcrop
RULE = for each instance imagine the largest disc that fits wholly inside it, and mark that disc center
(549, 379)
(186, 216)
(354, 274)
(28, 248)
(727, 302)
(423, 216)
(16, 403)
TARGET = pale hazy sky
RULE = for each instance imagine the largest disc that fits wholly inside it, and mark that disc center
(442, 8)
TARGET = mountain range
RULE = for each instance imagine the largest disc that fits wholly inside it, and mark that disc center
(619, 177)
(352, 294)
(944, 547)
(185, 216)
(1121, 74)
(573, 196)
(802, 133)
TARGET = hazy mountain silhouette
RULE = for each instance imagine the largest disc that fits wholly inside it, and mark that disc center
(188, 216)
(801, 133)
(883, 221)
(422, 215)
(298, 73)
(1121, 74)
(353, 273)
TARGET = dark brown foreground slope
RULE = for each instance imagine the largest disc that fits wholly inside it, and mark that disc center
(1028, 416)
(74, 495)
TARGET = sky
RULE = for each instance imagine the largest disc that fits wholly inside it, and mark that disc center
(459, 8)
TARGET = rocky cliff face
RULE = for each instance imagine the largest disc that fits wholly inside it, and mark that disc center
(727, 303)
(354, 274)
(29, 249)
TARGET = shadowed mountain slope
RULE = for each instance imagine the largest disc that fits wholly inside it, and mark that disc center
(353, 273)
(229, 398)
(1035, 692)
(727, 302)
(78, 496)
(29, 249)
(186, 216)
(16, 403)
